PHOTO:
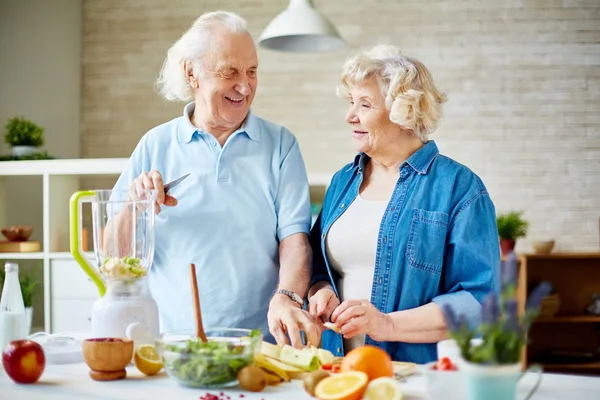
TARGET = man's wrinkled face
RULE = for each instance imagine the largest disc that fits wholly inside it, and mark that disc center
(227, 83)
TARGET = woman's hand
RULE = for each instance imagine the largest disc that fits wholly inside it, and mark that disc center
(321, 305)
(148, 181)
(356, 317)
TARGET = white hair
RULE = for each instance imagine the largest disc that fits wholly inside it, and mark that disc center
(172, 83)
(410, 95)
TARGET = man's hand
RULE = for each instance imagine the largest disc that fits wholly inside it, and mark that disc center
(148, 181)
(286, 316)
(322, 304)
(355, 317)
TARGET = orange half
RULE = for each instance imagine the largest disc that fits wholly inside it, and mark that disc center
(343, 386)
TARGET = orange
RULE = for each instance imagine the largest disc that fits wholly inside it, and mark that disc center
(342, 386)
(147, 360)
(371, 360)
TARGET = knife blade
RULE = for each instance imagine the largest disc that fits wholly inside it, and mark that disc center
(176, 182)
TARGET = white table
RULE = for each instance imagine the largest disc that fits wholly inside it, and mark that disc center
(71, 382)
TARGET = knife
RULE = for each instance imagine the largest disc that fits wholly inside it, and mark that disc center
(176, 182)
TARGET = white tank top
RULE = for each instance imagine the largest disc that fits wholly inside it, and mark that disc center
(351, 246)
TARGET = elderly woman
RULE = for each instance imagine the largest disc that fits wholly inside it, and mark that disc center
(403, 229)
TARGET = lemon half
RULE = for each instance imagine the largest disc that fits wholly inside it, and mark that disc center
(147, 360)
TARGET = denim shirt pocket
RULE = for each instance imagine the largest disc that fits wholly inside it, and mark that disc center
(426, 240)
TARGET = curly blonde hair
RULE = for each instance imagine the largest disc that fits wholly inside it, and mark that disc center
(410, 95)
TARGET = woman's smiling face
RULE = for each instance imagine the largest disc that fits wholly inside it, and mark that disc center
(372, 129)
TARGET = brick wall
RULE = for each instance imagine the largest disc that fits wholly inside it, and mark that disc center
(522, 77)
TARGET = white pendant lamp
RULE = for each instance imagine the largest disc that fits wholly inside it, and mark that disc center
(301, 29)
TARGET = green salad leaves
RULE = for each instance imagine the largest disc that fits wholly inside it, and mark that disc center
(215, 363)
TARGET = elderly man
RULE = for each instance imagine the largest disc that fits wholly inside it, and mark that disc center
(243, 215)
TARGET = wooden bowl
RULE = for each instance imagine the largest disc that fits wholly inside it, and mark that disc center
(17, 233)
(107, 355)
(543, 246)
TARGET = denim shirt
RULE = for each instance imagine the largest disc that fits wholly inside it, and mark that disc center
(438, 242)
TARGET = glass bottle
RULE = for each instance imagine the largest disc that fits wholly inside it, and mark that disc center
(12, 309)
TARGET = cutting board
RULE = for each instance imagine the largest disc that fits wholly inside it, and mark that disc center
(20, 247)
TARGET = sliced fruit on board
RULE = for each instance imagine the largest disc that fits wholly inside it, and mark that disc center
(291, 371)
(325, 356)
(402, 369)
(270, 350)
(302, 359)
(343, 386)
(269, 365)
(385, 388)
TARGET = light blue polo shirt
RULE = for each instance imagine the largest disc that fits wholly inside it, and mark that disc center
(239, 202)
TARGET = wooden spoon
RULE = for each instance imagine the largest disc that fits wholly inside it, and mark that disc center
(196, 299)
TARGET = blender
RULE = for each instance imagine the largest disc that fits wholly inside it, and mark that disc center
(123, 251)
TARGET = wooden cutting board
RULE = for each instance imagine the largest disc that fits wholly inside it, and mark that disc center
(401, 368)
(20, 247)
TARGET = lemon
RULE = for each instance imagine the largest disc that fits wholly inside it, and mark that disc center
(147, 359)
(384, 388)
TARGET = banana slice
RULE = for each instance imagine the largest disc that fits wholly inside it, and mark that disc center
(270, 366)
(270, 350)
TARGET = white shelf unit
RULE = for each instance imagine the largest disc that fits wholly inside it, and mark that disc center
(68, 293)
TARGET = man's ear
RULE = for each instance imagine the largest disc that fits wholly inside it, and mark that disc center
(189, 74)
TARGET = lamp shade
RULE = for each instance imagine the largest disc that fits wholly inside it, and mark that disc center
(301, 29)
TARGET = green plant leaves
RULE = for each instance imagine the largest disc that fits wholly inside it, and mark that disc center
(23, 132)
(511, 225)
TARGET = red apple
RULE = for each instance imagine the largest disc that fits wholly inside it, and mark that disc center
(24, 361)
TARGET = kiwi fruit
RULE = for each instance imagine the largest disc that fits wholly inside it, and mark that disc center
(312, 379)
(252, 378)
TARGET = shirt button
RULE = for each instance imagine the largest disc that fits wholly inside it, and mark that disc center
(213, 144)
(339, 349)
(342, 206)
(322, 236)
(380, 280)
(385, 239)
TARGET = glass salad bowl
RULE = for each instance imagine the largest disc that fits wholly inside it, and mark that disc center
(214, 364)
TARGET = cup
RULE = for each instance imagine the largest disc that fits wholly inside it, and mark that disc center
(497, 382)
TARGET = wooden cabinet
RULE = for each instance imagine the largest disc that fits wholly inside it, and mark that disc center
(569, 340)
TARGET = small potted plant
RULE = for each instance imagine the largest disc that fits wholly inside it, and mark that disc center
(511, 226)
(493, 365)
(23, 136)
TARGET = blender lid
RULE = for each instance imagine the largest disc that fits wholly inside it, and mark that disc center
(60, 348)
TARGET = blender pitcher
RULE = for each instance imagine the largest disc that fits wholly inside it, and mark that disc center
(123, 251)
